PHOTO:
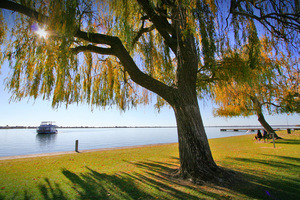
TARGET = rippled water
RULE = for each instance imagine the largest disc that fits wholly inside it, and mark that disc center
(26, 141)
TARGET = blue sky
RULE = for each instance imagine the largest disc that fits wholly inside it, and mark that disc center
(30, 113)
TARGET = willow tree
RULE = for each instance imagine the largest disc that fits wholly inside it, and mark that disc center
(122, 52)
(270, 85)
(264, 72)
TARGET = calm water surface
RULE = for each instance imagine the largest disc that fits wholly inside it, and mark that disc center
(26, 141)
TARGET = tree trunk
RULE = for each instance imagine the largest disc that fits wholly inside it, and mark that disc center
(261, 118)
(196, 161)
(266, 125)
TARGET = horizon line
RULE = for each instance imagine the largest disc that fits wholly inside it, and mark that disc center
(142, 126)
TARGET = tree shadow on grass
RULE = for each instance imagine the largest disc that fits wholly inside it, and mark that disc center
(287, 141)
(93, 185)
(154, 180)
(278, 178)
(51, 190)
(158, 173)
(295, 160)
(248, 184)
(161, 176)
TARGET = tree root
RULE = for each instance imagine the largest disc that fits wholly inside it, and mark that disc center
(219, 176)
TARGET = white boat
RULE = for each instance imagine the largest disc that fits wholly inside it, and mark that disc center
(47, 127)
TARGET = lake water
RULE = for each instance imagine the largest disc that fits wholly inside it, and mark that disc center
(26, 141)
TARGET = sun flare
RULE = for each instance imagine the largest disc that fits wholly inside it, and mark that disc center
(42, 32)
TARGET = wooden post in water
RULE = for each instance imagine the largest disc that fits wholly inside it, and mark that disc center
(76, 146)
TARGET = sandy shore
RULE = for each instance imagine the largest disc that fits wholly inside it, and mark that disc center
(74, 152)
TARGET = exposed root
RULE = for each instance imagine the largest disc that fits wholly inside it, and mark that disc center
(220, 176)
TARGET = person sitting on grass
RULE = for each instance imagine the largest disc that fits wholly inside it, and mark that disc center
(265, 135)
(258, 135)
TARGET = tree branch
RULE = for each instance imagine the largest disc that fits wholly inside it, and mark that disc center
(160, 23)
(270, 103)
(116, 48)
(144, 80)
(9, 5)
(89, 37)
(141, 32)
(287, 20)
(92, 48)
(96, 38)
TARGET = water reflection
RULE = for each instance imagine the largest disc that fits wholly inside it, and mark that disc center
(46, 141)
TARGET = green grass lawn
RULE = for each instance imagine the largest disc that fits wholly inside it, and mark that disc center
(144, 173)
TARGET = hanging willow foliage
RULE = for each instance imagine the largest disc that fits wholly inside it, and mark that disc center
(50, 68)
(271, 82)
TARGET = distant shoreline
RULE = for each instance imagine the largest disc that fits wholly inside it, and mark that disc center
(34, 127)
(63, 127)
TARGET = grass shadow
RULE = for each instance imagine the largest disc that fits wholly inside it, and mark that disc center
(152, 181)
(288, 141)
(161, 176)
(260, 184)
(158, 173)
(155, 180)
(94, 185)
(52, 190)
(277, 178)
